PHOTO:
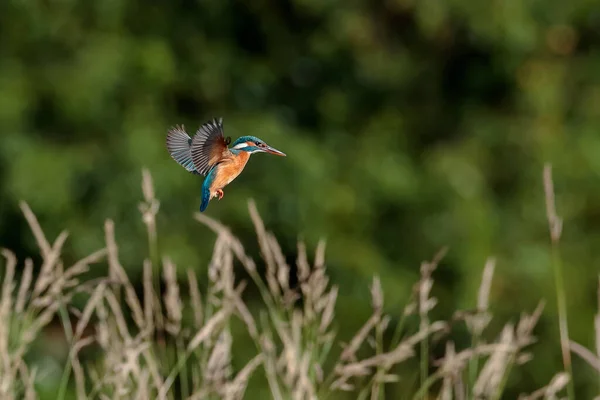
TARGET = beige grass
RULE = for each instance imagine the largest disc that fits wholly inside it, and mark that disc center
(148, 350)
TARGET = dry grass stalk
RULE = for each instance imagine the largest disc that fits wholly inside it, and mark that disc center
(592, 359)
(349, 353)
(28, 378)
(149, 209)
(296, 362)
(7, 369)
(36, 229)
(554, 221)
(555, 227)
(208, 328)
(46, 275)
(512, 340)
(293, 335)
(195, 298)
(236, 388)
(234, 243)
(218, 369)
(265, 248)
(425, 304)
(117, 273)
(401, 352)
(24, 286)
(480, 320)
(149, 299)
(245, 314)
(36, 303)
(494, 369)
(78, 370)
(587, 355)
(172, 300)
(549, 392)
(448, 379)
(451, 371)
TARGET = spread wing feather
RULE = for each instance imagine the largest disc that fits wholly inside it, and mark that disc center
(209, 146)
(179, 146)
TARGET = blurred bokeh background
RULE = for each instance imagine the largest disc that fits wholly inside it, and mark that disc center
(409, 126)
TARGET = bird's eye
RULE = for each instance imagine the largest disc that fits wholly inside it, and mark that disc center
(228, 140)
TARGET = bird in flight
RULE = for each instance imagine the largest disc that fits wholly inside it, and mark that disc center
(207, 154)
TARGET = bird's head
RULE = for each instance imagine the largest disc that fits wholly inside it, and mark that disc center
(252, 144)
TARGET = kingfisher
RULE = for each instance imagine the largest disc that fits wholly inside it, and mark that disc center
(207, 154)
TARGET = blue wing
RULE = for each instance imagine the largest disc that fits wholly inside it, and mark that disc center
(179, 145)
(210, 177)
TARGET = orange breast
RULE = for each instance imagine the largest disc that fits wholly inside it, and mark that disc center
(229, 170)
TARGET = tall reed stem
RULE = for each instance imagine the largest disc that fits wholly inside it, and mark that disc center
(64, 381)
(555, 226)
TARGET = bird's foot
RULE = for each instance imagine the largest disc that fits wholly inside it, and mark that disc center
(220, 194)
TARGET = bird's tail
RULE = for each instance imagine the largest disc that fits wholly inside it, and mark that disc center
(205, 198)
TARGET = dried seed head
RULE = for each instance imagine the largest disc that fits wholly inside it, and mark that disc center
(376, 295)
(172, 299)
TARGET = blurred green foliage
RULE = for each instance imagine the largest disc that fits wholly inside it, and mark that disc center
(409, 125)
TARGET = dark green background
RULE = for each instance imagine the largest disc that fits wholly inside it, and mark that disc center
(409, 125)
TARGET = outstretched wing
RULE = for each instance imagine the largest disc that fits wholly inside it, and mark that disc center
(179, 146)
(209, 146)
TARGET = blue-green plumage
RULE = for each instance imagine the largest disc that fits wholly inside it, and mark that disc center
(210, 177)
(245, 139)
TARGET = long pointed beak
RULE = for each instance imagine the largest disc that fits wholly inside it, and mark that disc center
(272, 150)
